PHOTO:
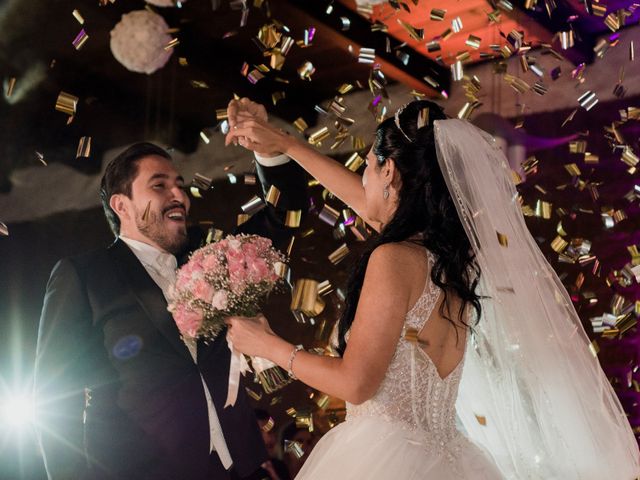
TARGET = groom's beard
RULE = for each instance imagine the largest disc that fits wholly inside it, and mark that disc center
(153, 227)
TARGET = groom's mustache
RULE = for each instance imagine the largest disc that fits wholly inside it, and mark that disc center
(173, 206)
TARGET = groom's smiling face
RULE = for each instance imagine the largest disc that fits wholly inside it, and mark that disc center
(157, 211)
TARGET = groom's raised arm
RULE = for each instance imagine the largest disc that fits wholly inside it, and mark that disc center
(291, 181)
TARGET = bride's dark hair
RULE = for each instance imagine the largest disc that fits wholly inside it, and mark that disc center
(425, 210)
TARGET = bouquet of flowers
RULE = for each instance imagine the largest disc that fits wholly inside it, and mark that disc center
(230, 277)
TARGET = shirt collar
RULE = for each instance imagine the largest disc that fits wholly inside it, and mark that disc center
(150, 255)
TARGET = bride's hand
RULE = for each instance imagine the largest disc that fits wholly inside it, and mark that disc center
(257, 135)
(249, 335)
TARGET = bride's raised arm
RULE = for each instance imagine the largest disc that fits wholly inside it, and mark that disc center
(256, 134)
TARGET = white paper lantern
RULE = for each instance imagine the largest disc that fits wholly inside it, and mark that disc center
(166, 3)
(138, 41)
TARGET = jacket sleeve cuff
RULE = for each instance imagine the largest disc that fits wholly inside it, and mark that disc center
(272, 161)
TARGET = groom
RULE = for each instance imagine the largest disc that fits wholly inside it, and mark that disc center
(120, 395)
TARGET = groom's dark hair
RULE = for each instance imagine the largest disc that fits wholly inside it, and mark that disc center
(120, 174)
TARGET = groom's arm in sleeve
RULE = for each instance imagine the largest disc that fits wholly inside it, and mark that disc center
(291, 181)
(61, 372)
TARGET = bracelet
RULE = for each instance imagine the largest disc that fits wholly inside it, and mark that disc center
(294, 352)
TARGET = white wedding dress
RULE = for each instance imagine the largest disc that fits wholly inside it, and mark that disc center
(407, 430)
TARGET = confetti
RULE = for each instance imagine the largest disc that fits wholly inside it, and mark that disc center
(273, 195)
(292, 219)
(306, 70)
(10, 85)
(437, 14)
(80, 39)
(305, 298)
(502, 239)
(201, 182)
(4, 230)
(84, 148)
(253, 205)
(66, 103)
(339, 254)
(76, 14)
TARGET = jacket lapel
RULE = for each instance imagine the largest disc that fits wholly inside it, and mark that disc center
(148, 294)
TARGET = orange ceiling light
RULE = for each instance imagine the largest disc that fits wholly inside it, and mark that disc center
(477, 35)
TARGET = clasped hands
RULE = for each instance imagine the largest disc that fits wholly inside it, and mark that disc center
(249, 127)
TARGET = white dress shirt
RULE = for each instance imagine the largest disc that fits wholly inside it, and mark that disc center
(161, 266)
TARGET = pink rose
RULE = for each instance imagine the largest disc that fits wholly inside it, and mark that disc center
(188, 321)
(259, 269)
(210, 262)
(220, 300)
(203, 290)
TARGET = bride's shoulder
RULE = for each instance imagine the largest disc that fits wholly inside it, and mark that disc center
(399, 258)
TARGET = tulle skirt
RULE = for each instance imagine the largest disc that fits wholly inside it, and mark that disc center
(375, 449)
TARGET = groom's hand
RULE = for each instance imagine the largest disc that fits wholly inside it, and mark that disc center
(245, 109)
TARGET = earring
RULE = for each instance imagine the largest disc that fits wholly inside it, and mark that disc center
(385, 191)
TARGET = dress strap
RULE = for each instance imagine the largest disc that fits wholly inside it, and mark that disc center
(418, 315)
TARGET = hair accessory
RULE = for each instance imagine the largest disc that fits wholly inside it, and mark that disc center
(397, 121)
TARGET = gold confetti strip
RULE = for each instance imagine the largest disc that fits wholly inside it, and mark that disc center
(354, 162)
(578, 146)
(305, 298)
(599, 9)
(613, 22)
(40, 158)
(292, 219)
(318, 136)
(199, 84)
(221, 114)
(437, 14)
(482, 420)
(201, 182)
(629, 157)
(300, 124)
(195, 192)
(182, 61)
(253, 205)
(256, 396)
(467, 109)
(242, 218)
(588, 100)
(446, 35)
(457, 71)
(10, 86)
(324, 288)
(66, 103)
(339, 254)
(145, 214)
(84, 148)
(559, 244)
(502, 239)
(543, 209)
(433, 46)
(573, 169)
(273, 195)
(566, 39)
(293, 447)
(204, 137)
(415, 33)
(4, 230)
(591, 158)
(473, 41)
(174, 42)
(632, 54)
(76, 14)
(306, 70)
(282, 269)
(366, 55)
(277, 96)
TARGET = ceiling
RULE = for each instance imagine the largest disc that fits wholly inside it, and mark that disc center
(117, 107)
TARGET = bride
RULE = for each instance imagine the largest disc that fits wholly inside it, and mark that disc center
(453, 312)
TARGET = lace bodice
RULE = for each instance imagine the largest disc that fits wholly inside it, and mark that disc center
(412, 391)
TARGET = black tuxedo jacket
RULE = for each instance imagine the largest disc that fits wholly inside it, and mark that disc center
(118, 393)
